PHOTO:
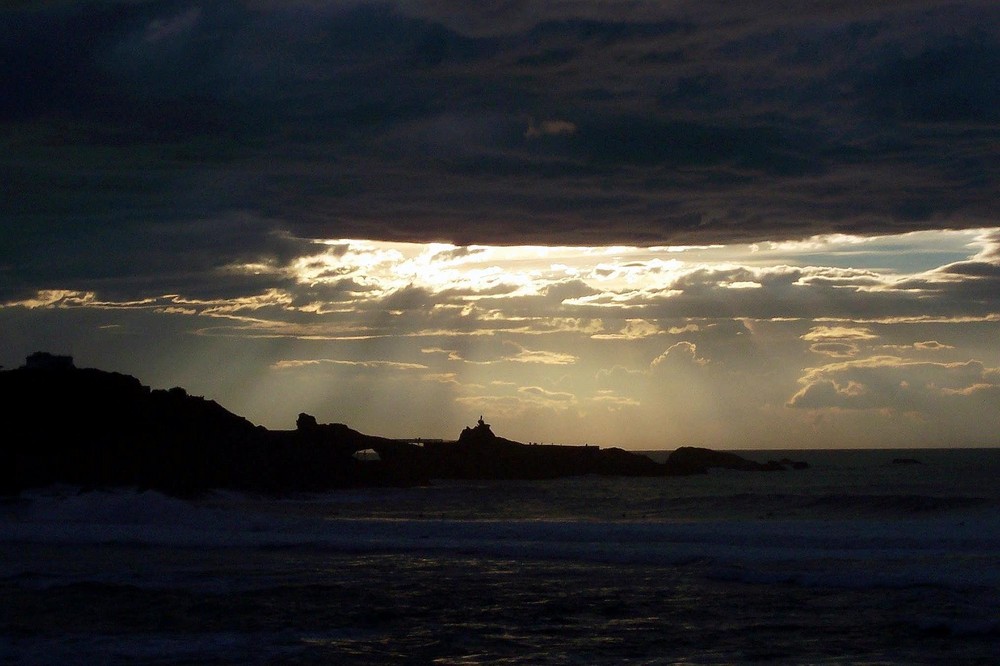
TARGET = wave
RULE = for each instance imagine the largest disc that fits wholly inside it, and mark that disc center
(830, 505)
(938, 550)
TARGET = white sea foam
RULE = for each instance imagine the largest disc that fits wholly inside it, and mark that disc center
(832, 566)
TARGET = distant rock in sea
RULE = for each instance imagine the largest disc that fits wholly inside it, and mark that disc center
(794, 464)
(696, 460)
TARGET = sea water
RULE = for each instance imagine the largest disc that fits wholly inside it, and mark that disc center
(856, 560)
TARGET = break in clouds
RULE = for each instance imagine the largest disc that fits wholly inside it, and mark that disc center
(834, 341)
(645, 223)
(157, 132)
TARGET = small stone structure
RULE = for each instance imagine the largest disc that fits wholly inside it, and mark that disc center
(46, 361)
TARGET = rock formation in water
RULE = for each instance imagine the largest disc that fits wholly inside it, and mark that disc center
(92, 428)
(696, 460)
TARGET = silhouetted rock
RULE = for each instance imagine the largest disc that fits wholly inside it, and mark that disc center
(305, 422)
(697, 460)
(93, 428)
(479, 434)
(100, 429)
(794, 464)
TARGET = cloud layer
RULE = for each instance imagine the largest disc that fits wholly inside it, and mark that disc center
(733, 346)
(158, 132)
(646, 223)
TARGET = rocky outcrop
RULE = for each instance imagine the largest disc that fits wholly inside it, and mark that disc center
(480, 435)
(695, 460)
(93, 428)
(793, 464)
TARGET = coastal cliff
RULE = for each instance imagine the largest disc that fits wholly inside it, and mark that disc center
(93, 429)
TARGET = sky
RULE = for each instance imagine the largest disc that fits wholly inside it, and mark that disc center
(615, 222)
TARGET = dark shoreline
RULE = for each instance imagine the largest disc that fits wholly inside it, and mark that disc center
(97, 429)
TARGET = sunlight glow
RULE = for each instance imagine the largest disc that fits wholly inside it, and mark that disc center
(709, 345)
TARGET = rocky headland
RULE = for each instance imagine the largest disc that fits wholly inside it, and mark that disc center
(97, 429)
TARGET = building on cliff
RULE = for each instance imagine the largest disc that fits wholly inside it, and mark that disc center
(46, 361)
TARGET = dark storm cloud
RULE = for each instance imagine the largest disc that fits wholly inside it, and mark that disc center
(134, 133)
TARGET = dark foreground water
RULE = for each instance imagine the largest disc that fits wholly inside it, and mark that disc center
(856, 560)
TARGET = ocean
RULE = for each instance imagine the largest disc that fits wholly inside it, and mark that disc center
(856, 560)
